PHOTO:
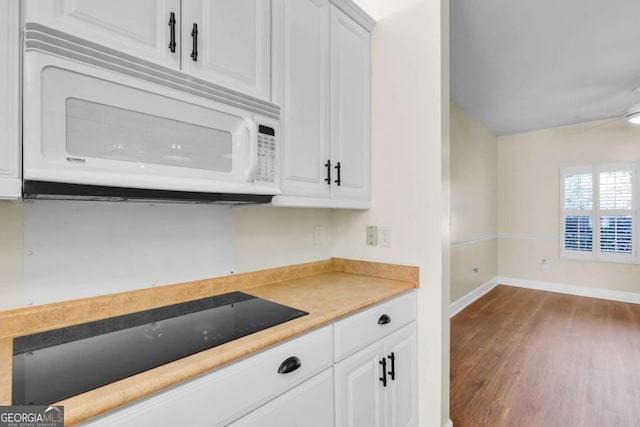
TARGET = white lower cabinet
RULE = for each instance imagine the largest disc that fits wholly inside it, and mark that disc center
(358, 394)
(376, 366)
(401, 396)
(376, 387)
(368, 381)
(308, 405)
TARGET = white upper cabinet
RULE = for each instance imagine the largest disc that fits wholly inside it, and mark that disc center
(321, 80)
(233, 45)
(10, 184)
(138, 27)
(226, 42)
(301, 61)
(350, 107)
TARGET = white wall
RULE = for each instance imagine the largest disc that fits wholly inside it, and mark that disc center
(529, 201)
(273, 237)
(474, 202)
(76, 249)
(409, 157)
(60, 250)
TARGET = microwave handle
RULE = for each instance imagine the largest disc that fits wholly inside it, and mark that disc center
(253, 150)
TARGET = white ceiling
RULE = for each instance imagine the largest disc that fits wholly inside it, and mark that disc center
(521, 65)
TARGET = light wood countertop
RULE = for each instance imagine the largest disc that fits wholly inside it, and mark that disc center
(327, 290)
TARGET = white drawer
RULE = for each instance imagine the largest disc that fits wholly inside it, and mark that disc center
(231, 391)
(361, 329)
(310, 405)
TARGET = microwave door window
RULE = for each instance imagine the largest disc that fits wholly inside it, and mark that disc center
(95, 130)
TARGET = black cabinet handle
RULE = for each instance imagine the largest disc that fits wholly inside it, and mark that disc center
(328, 166)
(383, 378)
(194, 36)
(392, 372)
(172, 25)
(289, 365)
(339, 180)
(384, 319)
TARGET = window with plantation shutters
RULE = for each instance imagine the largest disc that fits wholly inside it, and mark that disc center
(577, 212)
(615, 213)
(598, 213)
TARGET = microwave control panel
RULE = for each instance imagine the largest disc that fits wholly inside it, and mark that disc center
(266, 154)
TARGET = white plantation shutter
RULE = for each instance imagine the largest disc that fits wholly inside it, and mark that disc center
(616, 209)
(578, 194)
(598, 212)
(616, 189)
(577, 212)
(579, 233)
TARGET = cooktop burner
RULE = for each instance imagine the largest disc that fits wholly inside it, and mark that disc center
(54, 365)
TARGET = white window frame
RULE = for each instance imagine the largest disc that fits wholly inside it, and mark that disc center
(596, 213)
(618, 257)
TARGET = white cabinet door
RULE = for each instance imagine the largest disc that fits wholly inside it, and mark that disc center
(359, 391)
(137, 27)
(233, 43)
(350, 106)
(401, 395)
(322, 81)
(301, 88)
(308, 405)
(10, 185)
(362, 396)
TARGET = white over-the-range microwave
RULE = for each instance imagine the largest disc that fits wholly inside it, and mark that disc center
(101, 124)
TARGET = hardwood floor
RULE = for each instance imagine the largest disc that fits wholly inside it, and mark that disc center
(521, 357)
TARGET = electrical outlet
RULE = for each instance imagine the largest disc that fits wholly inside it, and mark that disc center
(317, 234)
(545, 264)
(385, 236)
(372, 235)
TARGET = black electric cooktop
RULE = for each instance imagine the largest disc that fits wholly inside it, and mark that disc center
(54, 365)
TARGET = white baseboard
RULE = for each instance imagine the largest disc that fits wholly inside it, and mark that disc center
(448, 424)
(459, 305)
(562, 288)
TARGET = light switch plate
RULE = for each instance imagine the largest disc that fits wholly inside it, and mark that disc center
(385, 236)
(317, 234)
